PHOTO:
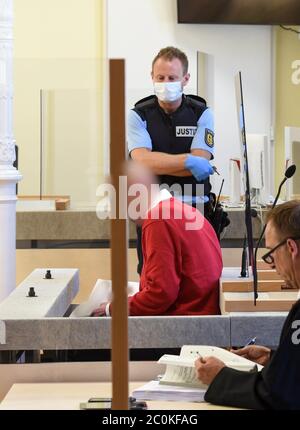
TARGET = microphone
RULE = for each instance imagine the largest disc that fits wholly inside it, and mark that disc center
(290, 171)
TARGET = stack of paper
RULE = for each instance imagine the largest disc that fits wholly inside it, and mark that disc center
(153, 390)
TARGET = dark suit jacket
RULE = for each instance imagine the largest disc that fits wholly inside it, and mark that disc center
(277, 386)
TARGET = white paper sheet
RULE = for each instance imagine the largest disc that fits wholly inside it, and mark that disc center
(101, 293)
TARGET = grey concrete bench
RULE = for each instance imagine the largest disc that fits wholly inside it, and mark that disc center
(52, 296)
(144, 332)
(95, 333)
(265, 326)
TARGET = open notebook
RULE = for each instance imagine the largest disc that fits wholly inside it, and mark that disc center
(181, 370)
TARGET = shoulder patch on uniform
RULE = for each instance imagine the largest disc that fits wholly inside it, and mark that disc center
(209, 137)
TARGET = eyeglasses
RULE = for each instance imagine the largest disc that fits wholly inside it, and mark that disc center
(268, 257)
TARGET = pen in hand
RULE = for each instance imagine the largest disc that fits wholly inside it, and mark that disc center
(251, 342)
(200, 358)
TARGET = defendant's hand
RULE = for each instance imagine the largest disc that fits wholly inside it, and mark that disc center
(99, 312)
(258, 354)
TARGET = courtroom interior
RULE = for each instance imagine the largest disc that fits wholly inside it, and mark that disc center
(149, 205)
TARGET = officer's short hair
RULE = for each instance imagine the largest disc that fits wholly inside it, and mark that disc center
(169, 53)
(286, 219)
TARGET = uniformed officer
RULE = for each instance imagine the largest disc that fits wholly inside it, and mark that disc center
(172, 133)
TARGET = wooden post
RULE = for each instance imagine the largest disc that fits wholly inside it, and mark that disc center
(118, 240)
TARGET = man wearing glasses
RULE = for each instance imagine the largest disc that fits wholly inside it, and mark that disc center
(277, 386)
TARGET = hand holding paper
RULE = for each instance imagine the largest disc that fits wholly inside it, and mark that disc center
(99, 312)
(100, 296)
(207, 368)
(197, 365)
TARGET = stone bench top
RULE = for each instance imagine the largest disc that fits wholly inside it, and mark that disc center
(53, 296)
(143, 332)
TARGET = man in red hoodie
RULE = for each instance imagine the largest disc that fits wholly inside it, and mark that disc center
(182, 257)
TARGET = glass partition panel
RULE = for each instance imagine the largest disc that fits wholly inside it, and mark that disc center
(59, 126)
(72, 147)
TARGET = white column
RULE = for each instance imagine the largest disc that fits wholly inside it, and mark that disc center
(9, 176)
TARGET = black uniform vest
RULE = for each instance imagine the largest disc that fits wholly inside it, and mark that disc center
(162, 129)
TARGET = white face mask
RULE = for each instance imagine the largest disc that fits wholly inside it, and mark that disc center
(168, 91)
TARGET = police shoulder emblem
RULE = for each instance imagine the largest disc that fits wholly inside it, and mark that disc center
(209, 137)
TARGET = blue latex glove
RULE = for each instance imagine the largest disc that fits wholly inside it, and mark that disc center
(199, 167)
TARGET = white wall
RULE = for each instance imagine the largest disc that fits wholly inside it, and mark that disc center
(137, 29)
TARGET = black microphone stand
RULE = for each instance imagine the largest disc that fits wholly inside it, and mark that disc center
(288, 174)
